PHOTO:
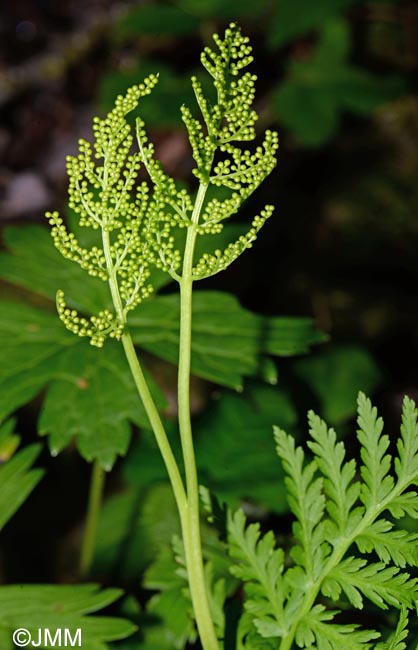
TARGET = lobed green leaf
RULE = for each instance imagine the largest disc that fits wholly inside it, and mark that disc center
(63, 607)
(260, 565)
(377, 482)
(381, 584)
(17, 480)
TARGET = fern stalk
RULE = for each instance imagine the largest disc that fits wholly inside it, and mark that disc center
(156, 424)
(187, 504)
(192, 537)
(142, 386)
(93, 510)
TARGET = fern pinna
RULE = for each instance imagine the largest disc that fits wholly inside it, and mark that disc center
(346, 547)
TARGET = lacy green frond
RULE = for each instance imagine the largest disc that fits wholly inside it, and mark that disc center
(97, 328)
(260, 566)
(377, 482)
(406, 465)
(338, 475)
(390, 545)
(307, 502)
(217, 596)
(337, 511)
(381, 584)
(319, 628)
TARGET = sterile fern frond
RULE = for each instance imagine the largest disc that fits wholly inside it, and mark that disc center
(260, 566)
(337, 510)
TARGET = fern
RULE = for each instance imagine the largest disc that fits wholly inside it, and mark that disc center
(346, 550)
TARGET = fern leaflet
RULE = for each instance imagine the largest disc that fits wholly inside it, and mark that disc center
(338, 509)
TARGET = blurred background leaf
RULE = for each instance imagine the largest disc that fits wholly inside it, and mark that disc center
(335, 376)
(316, 91)
(296, 19)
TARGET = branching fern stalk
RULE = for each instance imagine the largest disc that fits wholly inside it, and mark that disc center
(138, 223)
(346, 547)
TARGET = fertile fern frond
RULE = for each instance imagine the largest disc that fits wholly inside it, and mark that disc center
(210, 264)
(139, 220)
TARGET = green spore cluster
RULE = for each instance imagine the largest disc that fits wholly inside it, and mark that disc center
(138, 220)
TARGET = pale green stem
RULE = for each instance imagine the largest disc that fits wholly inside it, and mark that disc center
(157, 426)
(92, 519)
(188, 505)
(192, 540)
(143, 390)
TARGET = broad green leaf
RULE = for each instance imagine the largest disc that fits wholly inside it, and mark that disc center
(82, 383)
(9, 441)
(310, 101)
(93, 399)
(220, 9)
(227, 339)
(335, 375)
(31, 341)
(218, 353)
(162, 107)
(234, 440)
(33, 262)
(293, 19)
(134, 526)
(17, 479)
(144, 465)
(158, 20)
(35, 607)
